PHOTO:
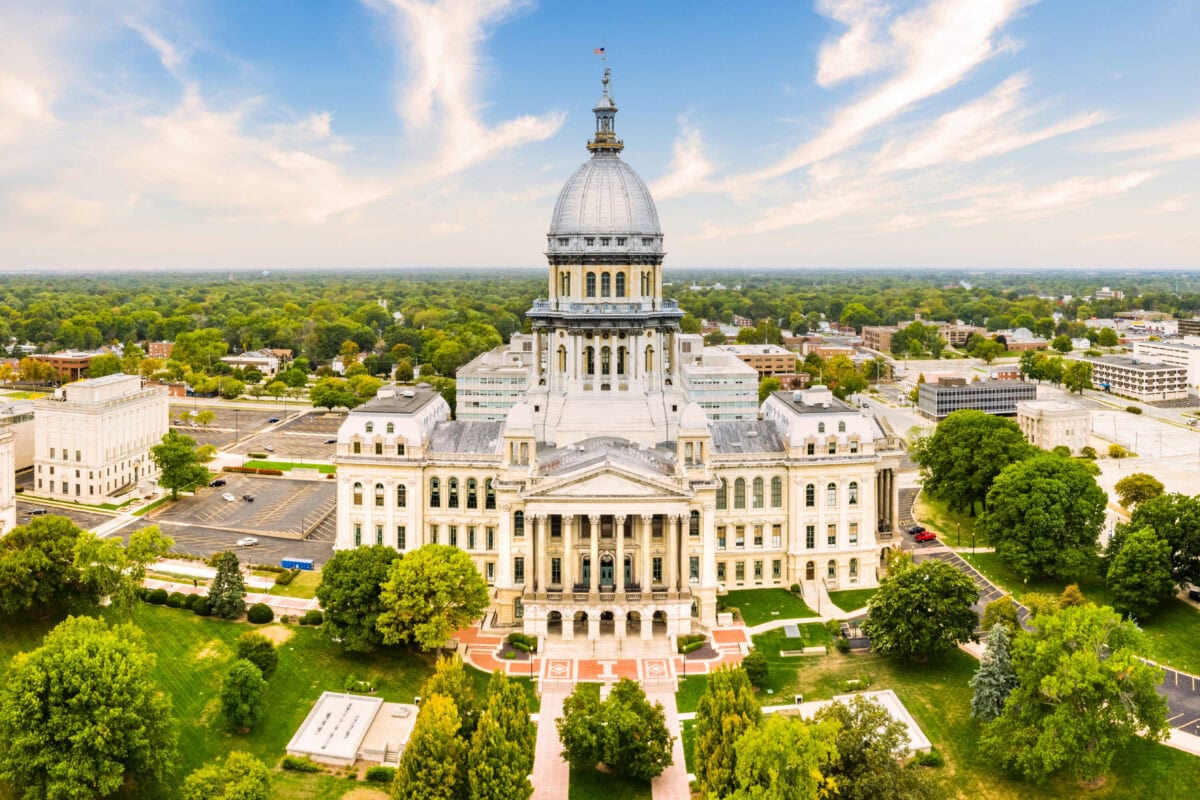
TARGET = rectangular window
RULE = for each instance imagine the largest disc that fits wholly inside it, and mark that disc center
(518, 609)
(519, 569)
(401, 538)
(378, 534)
(78, 456)
(555, 527)
(739, 572)
(693, 569)
(776, 569)
(470, 537)
(453, 540)
(489, 571)
(739, 536)
(854, 447)
(720, 537)
(758, 535)
(556, 571)
(357, 447)
(831, 535)
(812, 449)
(656, 569)
(776, 536)
(490, 537)
(656, 527)
(357, 534)
(853, 534)
(52, 452)
(433, 534)
(810, 536)
(758, 573)
(400, 449)
(721, 571)
(833, 448)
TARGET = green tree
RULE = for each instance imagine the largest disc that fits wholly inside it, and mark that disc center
(1139, 574)
(1137, 487)
(433, 766)
(108, 364)
(243, 696)
(38, 569)
(1082, 695)
(227, 594)
(450, 679)
(1044, 516)
(179, 467)
(430, 593)
(988, 350)
(1117, 451)
(766, 386)
(259, 651)
(55, 745)
(756, 666)
(349, 593)
(1062, 344)
(624, 732)
(501, 756)
(964, 455)
(232, 389)
(857, 315)
(1107, 338)
(404, 371)
(1001, 611)
(333, 393)
(1077, 376)
(111, 570)
(1174, 517)
(200, 349)
(995, 679)
(240, 777)
(923, 610)
(786, 758)
(206, 417)
(727, 709)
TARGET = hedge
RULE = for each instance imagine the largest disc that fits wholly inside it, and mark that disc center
(690, 647)
(202, 607)
(312, 617)
(381, 774)
(175, 600)
(189, 601)
(260, 613)
(297, 764)
(252, 470)
(157, 597)
(519, 641)
(286, 576)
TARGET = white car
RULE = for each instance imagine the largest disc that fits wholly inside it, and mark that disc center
(246, 541)
(228, 498)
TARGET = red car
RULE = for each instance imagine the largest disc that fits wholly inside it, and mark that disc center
(925, 536)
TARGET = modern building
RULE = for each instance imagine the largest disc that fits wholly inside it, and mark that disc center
(1189, 327)
(1139, 378)
(939, 400)
(1054, 423)
(266, 363)
(607, 503)
(879, 337)
(71, 364)
(493, 382)
(1105, 293)
(1180, 354)
(17, 416)
(766, 359)
(343, 729)
(92, 438)
(723, 385)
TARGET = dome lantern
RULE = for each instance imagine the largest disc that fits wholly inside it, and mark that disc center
(605, 140)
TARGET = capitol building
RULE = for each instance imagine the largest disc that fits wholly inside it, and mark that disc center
(609, 475)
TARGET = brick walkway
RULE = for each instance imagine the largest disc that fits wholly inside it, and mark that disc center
(672, 784)
(551, 774)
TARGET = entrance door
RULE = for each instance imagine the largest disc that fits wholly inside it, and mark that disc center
(628, 570)
(606, 572)
(810, 571)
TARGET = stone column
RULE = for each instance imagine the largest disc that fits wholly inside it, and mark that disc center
(708, 559)
(504, 531)
(568, 569)
(647, 528)
(619, 531)
(531, 520)
(679, 551)
(543, 533)
(894, 500)
(672, 552)
(594, 553)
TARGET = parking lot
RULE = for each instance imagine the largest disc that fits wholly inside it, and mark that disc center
(1183, 698)
(201, 541)
(301, 437)
(84, 518)
(281, 507)
(229, 425)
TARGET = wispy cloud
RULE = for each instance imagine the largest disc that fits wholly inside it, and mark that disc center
(1177, 141)
(689, 168)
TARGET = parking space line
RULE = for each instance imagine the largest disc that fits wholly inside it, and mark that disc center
(1193, 722)
(1172, 719)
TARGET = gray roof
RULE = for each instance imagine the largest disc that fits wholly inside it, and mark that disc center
(605, 196)
(835, 406)
(1133, 363)
(473, 437)
(398, 403)
(731, 437)
(611, 449)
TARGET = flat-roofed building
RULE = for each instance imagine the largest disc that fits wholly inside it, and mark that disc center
(266, 363)
(17, 416)
(1139, 378)
(723, 385)
(71, 364)
(766, 359)
(488, 385)
(1180, 354)
(1054, 423)
(878, 337)
(939, 400)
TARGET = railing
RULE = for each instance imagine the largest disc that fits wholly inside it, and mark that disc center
(573, 307)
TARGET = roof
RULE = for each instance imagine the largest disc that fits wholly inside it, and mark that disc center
(397, 401)
(1135, 364)
(614, 450)
(336, 725)
(107, 380)
(835, 406)
(731, 437)
(605, 196)
(474, 437)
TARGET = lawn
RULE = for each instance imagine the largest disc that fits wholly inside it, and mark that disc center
(303, 585)
(1171, 635)
(934, 514)
(852, 599)
(938, 697)
(763, 605)
(287, 466)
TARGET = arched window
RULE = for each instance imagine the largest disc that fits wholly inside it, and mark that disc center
(831, 495)
(776, 492)
(853, 492)
(370, 427)
(723, 494)
(518, 523)
(739, 493)
(605, 284)
(758, 493)
(810, 496)
(831, 569)
(589, 360)
(649, 358)
(620, 360)
(620, 284)
(605, 361)
(854, 568)
(452, 493)
(472, 493)
(841, 427)
(401, 496)
(489, 494)
(358, 494)
(591, 284)
(391, 427)
(820, 427)
(694, 523)
(562, 358)
(379, 494)
(435, 493)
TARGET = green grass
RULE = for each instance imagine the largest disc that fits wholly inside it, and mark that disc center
(756, 605)
(20, 395)
(851, 599)
(937, 517)
(287, 466)
(591, 784)
(303, 585)
(148, 508)
(687, 731)
(313, 786)
(1171, 634)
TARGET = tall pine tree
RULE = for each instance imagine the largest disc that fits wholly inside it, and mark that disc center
(434, 762)
(995, 679)
(501, 755)
(727, 709)
(227, 594)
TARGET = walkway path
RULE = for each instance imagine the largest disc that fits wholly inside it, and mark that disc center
(672, 784)
(551, 773)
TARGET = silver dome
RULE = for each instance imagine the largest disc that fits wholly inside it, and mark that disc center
(605, 196)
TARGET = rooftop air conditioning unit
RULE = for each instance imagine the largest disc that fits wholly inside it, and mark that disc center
(408, 393)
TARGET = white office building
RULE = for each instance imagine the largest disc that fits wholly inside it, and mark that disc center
(1054, 423)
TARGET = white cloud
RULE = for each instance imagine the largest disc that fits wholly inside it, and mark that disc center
(689, 168)
(1022, 202)
(168, 55)
(860, 50)
(57, 206)
(1178, 141)
(24, 105)
(445, 228)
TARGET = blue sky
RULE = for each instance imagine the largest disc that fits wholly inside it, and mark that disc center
(397, 133)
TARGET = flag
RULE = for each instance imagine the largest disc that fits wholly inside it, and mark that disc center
(598, 51)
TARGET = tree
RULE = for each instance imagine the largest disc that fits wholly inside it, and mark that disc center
(179, 467)
(501, 756)
(1139, 574)
(1001, 611)
(1082, 695)
(333, 393)
(1077, 376)
(857, 315)
(1117, 451)
(404, 371)
(966, 452)
(1107, 338)
(756, 666)
(434, 762)
(766, 386)
(1071, 596)
(111, 570)
(227, 593)
(450, 679)
(206, 417)
(38, 570)
(726, 710)
(1136, 487)
(1062, 344)
(349, 592)
(108, 364)
(988, 350)
(1174, 517)
(295, 378)
(243, 696)
(259, 651)
(786, 758)
(923, 610)
(240, 777)
(57, 746)
(1044, 516)
(624, 732)
(430, 593)
(995, 678)
(871, 745)
(232, 389)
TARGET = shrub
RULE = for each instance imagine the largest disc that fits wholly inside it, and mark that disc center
(795, 588)
(286, 577)
(257, 455)
(834, 627)
(259, 651)
(691, 642)
(260, 613)
(202, 607)
(175, 600)
(755, 664)
(842, 644)
(519, 641)
(524, 648)
(297, 764)
(1088, 452)
(510, 655)
(313, 617)
(189, 601)
(141, 592)
(1134, 409)
(931, 759)
(690, 647)
(287, 619)
(157, 597)
(381, 774)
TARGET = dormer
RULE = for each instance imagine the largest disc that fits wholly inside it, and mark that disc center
(519, 448)
(694, 444)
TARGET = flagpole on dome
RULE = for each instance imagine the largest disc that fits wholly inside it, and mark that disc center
(600, 52)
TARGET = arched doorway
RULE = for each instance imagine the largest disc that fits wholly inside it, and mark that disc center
(580, 623)
(554, 623)
(659, 622)
(606, 570)
(607, 623)
(633, 623)
(810, 571)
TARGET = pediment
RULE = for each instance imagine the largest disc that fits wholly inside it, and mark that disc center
(607, 482)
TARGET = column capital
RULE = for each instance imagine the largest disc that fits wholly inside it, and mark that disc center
(709, 508)
(647, 519)
(593, 520)
(619, 520)
(506, 507)
(541, 518)
(675, 518)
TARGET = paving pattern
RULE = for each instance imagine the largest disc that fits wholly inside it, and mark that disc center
(281, 507)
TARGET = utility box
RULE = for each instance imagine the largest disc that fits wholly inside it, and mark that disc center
(297, 563)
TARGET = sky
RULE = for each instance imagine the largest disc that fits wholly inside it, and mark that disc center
(137, 134)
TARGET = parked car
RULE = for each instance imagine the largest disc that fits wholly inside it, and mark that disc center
(217, 482)
(228, 498)
(331, 441)
(273, 419)
(915, 529)
(248, 498)
(1194, 594)
(246, 541)
(36, 512)
(926, 536)
(269, 448)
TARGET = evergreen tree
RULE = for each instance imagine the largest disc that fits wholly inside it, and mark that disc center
(449, 678)
(995, 678)
(243, 696)
(501, 755)
(227, 594)
(727, 709)
(434, 762)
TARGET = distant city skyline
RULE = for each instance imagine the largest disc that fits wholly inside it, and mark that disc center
(978, 134)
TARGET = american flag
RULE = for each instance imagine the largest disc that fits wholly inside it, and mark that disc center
(599, 51)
